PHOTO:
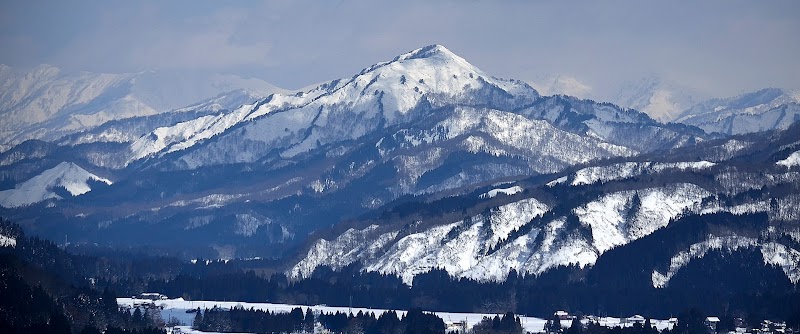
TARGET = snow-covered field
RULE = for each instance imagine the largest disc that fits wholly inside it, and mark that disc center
(177, 308)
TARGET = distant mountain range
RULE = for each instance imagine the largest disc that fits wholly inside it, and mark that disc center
(47, 103)
(575, 217)
(766, 109)
(420, 162)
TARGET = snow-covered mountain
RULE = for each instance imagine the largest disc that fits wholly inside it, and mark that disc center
(69, 176)
(663, 100)
(403, 90)
(576, 218)
(469, 248)
(47, 103)
(426, 123)
(766, 109)
(381, 96)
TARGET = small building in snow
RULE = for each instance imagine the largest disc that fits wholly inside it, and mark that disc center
(457, 326)
(635, 319)
(711, 324)
(151, 296)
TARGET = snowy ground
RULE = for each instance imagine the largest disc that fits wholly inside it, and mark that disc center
(177, 308)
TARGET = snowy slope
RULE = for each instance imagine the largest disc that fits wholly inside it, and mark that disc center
(39, 188)
(47, 103)
(788, 259)
(626, 170)
(615, 219)
(472, 248)
(456, 247)
(130, 129)
(790, 161)
(766, 109)
(496, 133)
(379, 96)
(610, 123)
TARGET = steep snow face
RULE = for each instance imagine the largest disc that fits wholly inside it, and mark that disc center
(787, 258)
(39, 188)
(47, 103)
(766, 109)
(618, 218)
(381, 95)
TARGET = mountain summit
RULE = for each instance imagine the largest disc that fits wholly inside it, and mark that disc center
(382, 95)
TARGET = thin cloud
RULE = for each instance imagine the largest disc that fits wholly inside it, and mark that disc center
(718, 47)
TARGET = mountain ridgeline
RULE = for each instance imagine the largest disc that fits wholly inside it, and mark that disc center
(426, 164)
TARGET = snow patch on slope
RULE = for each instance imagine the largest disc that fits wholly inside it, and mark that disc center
(527, 255)
(7, 241)
(39, 188)
(506, 191)
(792, 160)
(626, 170)
(350, 246)
(788, 259)
(698, 250)
(247, 224)
(407, 257)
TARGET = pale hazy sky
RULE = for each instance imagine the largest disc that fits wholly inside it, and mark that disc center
(718, 47)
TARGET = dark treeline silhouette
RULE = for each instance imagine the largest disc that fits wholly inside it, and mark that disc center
(735, 284)
(508, 323)
(42, 290)
(238, 319)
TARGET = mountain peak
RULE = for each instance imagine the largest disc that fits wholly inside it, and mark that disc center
(431, 54)
(430, 51)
